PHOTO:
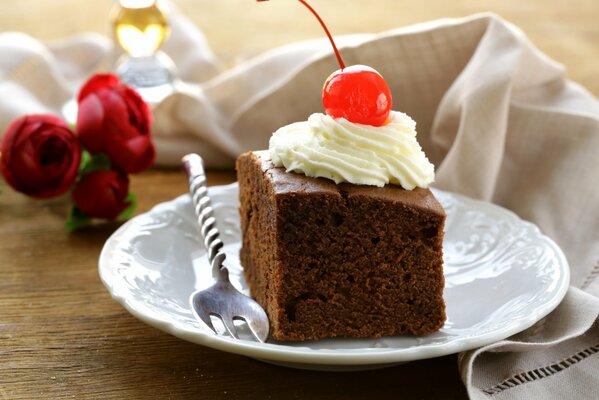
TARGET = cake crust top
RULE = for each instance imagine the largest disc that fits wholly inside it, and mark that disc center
(286, 183)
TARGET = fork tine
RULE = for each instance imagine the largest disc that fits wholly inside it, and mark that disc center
(259, 332)
(229, 326)
(202, 314)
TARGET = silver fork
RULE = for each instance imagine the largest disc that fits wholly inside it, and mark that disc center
(221, 299)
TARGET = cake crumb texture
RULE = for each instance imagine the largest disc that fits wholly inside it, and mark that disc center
(328, 260)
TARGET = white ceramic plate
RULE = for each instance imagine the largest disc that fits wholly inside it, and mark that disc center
(502, 275)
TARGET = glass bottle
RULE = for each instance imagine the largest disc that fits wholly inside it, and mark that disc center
(140, 28)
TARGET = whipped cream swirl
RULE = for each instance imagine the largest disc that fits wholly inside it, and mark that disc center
(347, 152)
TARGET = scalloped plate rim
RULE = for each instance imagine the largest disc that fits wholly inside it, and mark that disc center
(279, 353)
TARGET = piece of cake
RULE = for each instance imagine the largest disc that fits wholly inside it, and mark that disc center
(341, 235)
(329, 259)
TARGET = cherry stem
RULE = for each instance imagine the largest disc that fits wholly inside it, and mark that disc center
(326, 30)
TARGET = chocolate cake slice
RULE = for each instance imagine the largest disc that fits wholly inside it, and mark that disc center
(340, 260)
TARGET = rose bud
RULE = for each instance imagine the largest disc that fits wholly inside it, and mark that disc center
(102, 194)
(113, 118)
(40, 156)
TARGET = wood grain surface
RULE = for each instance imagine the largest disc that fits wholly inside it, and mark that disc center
(62, 336)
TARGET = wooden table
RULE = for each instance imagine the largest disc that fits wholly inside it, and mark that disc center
(62, 336)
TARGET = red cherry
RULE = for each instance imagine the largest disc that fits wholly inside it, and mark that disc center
(358, 94)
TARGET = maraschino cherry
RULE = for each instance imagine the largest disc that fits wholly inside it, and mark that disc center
(357, 93)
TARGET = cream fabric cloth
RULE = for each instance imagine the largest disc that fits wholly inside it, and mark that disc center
(497, 118)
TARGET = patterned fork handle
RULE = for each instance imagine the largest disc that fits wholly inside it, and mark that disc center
(221, 300)
(194, 168)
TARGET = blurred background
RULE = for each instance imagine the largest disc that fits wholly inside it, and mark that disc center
(567, 31)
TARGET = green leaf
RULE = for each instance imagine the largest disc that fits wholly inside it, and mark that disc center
(130, 210)
(91, 163)
(85, 160)
(76, 220)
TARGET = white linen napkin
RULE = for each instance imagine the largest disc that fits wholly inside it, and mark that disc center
(496, 116)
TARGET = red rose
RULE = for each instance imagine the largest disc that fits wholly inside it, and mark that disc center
(40, 155)
(114, 119)
(102, 194)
